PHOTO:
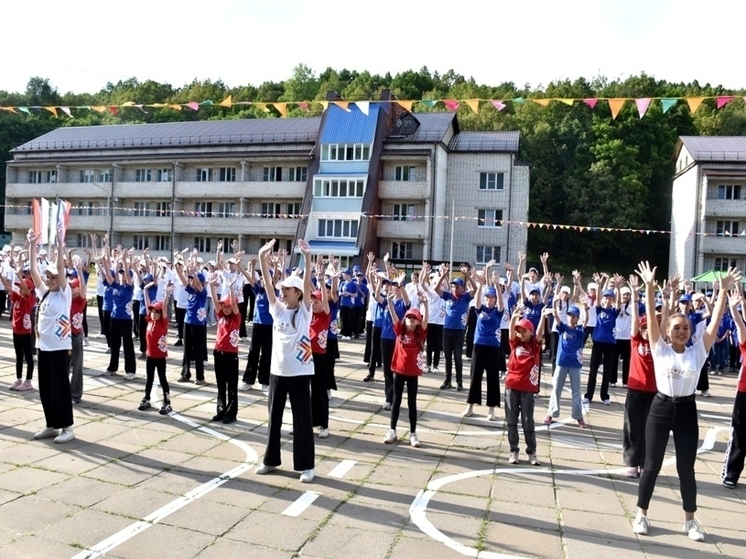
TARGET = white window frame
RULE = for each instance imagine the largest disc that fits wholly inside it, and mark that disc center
(294, 208)
(403, 212)
(729, 192)
(34, 177)
(51, 176)
(140, 242)
(271, 174)
(162, 242)
(339, 188)
(271, 210)
(226, 209)
(345, 152)
(87, 175)
(227, 174)
(722, 263)
(204, 174)
(485, 253)
(298, 174)
(163, 175)
(162, 209)
(489, 181)
(402, 250)
(203, 209)
(726, 228)
(405, 173)
(143, 175)
(489, 218)
(104, 176)
(143, 209)
(203, 244)
(83, 240)
(338, 228)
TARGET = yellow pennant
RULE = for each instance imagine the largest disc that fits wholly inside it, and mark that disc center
(174, 107)
(324, 104)
(282, 108)
(9, 109)
(542, 102)
(99, 108)
(128, 104)
(342, 104)
(694, 103)
(227, 102)
(616, 105)
(566, 101)
(52, 110)
(406, 105)
(262, 106)
(473, 105)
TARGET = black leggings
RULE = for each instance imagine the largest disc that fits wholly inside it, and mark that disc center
(260, 354)
(24, 346)
(153, 364)
(319, 395)
(602, 352)
(486, 360)
(121, 338)
(434, 344)
(226, 378)
(399, 382)
(681, 418)
(453, 344)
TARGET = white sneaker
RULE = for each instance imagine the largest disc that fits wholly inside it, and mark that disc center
(705, 394)
(641, 524)
(694, 531)
(436, 370)
(491, 415)
(245, 387)
(468, 412)
(306, 476)
(46, 433)
(86, 342)
(265, 469)
(323, 433)
(513, 458)
(65, 436)
(129, 376)
(387, 405)
(533, 460)
(586, 401)
(607, 402)
(390, 437)
(414, 440)
(18, 382)
(265, 387)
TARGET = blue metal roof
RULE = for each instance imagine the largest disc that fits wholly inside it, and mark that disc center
(349, 126)
(337, 248)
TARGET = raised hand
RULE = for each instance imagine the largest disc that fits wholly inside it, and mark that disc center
(544, 257)
(646, 273)
(731, 278)
(267, 248)
(371, 257)
(735, 297)
(304, 247)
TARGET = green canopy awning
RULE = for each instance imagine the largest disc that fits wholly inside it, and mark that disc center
(712, 276)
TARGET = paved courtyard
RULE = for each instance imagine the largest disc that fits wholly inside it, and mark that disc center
(138, 484)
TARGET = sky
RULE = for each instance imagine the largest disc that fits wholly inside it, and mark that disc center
(80, 45)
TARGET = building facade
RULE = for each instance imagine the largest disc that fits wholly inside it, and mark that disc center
(359, 178)
(708, 210)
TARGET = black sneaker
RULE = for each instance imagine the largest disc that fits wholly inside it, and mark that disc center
(446, 384)
(178, 343)
(165, 408)
(220, 416)
(729, 483)
(369, 378)
(460, 387)
(227, 420)
(184, 378)
(144, 404)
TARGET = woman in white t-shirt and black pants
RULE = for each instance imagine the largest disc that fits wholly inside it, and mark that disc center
(674, 408)
(292, 369)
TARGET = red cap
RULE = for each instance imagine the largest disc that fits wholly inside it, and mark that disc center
(526, 324)
(28, 282)
(226, 300)
(157, 306)
(643, 321)
(413, 313)
(316, 294)
(73, 283)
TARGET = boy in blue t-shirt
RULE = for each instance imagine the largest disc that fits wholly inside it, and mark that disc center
(604, 345)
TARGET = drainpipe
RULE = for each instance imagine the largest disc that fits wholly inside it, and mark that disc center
(510, 208)
(173, 205)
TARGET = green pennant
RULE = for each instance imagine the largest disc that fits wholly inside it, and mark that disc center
(24, 110)
(429, 103)
(207, 103)
(668, 103)
(519, 100)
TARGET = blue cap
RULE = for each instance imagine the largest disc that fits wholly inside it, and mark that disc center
(458, 281)
(575, 311)
(147, 278)
(72, 273)
(609, 293)
(201, 277)
(347, 271)
(356, 268)
(685, 299)
(535, 290)
(490, 292)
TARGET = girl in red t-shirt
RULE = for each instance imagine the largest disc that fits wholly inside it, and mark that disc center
(735, 453)
(522, 382)
(319, 329)
(23, 302)
(226, 351)
(407, 363)
(156, 345)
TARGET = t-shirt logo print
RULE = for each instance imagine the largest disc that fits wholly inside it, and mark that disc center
(201, 314)
(62, 330)
(78, 320)
(27, 321)
(163, 343)
(322, 339)
(305, 353)
(234, 338)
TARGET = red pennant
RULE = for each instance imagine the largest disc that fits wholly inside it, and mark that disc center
(723, 100)
(303, 105)
(113, 110)
(451, 104)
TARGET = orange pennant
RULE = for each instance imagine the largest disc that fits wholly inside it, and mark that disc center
(227, 102)
(616, 105)
(406, 105)
(52, 110)
(174, 107)
(473, 105)
(694, 103)
(542, 102)
(342, 104)
(9, 109)
(282, 108)
(99, 108)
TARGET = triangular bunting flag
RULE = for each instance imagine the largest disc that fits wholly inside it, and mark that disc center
(227, 102)
(723, 100)
(342, 105)
(262, 106)
(281, 108)
(207, 103)
(303, 106)
(173, 106)
(364, 107)
(498, 104)
(24, 110)
(99, 108)
(566, 101)
(694, 103)
(616, 105)
(642, 105)
(113, 110)
(429, 103)
(324, 104)
(519, 100)
(52, 110)
(542, 102)
(8, 109)
(667, 104)
(131, 103)
(193, 105)
(66, 110)
(473, 105)
(591, 102)
(406, 105)
(451, 104)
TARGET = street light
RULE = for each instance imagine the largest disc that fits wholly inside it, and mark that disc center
(108, 205)
(453, 224)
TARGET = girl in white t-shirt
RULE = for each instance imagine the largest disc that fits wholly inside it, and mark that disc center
(436, 318)
(292, 366)
(674, 409)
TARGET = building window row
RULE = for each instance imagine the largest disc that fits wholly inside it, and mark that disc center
(38, 177)
(723, 263)
(338, 188)
(727, 229)
(275, 209)
(491, 181)
(345, 152)
(157, 175)
(152, 209)
(406, 173)
(286, 244)
(489, 218)
(95, 175)
(338, 228)
(487, 253)
(729, 192)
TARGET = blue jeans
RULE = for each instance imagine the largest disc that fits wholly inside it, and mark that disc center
(558, 383)
(720, 355)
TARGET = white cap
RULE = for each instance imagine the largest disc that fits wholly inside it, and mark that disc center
(624, 290)
(565, 289)
(592, 285)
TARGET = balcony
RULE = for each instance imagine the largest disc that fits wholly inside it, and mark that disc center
(239, 189)
(724, 245)
(150, 190)
(89, 222)
(403, 190)
(267, 227)
(414, 229)
(725, 208)
(141, 224)
(18, 222)
(52, 190)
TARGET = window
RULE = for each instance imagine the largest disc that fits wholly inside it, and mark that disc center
(104, 175)
(87, 175)
(203, 209)
(227, 242)
(402, 250)
(298, 174)
(51, 176)
(338, 228)
(405, 173)
(141, 242)
(339, 188)
(162, 242)
(143, 209)
(164, 175)
(226, 209)
(143, 175)
(729, 192)
(288, 244)
(272, 174)
(86, 208)
(723, 263)
(202, 244)
(82, 240)
(345, 152)
(204, 175)
(403, 212)
(34, 177)
(227, 174)
(489, 218)
(294, 208)
(491, 181)
(486, 253)
(727, 228)
(271, 209)
(162, 209)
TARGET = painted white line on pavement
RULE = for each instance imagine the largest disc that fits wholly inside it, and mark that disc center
(418, 508)
(132, 530)
(342, 468)
(301, 503)
(719, 417)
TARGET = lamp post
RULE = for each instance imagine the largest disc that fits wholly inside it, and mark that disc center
(108, 206)
(453, 224)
